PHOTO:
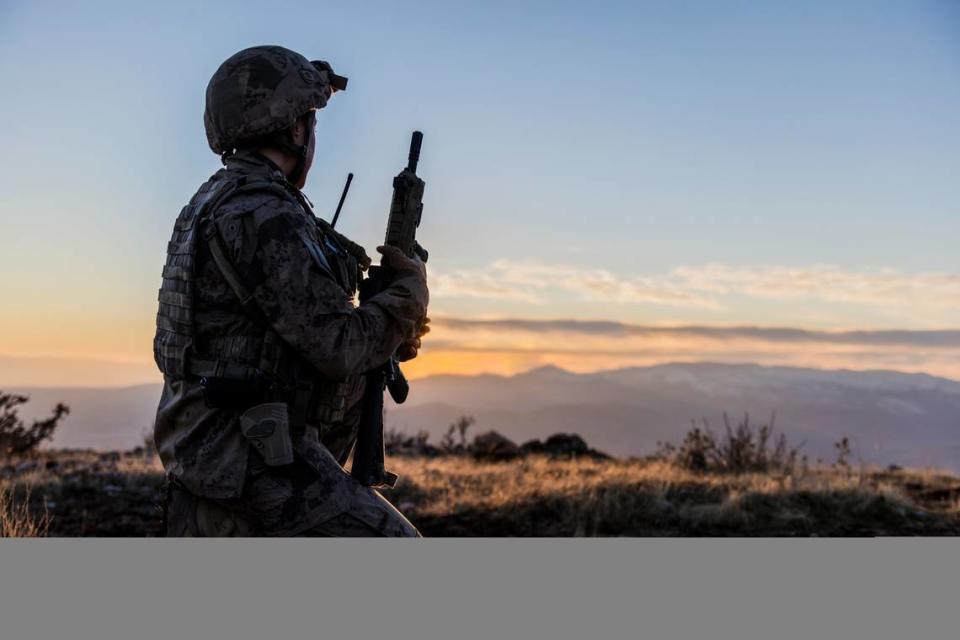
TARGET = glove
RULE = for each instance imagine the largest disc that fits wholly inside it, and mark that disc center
(396, 260)
(408, 350)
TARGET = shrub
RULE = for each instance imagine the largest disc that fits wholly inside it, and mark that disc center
(742, 449)
(399, 443)
(843, 455)
(149, 447)
(15, 437)
(448, 444)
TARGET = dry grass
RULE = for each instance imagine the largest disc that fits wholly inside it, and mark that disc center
(539, 496)
(456, 483)
(17, 519)
(93, 494)
(86, 493)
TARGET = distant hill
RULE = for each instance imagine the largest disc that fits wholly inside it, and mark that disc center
(99, 418)
(907, 419)
(910, 419)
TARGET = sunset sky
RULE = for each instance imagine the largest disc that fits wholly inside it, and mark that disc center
(608, 184)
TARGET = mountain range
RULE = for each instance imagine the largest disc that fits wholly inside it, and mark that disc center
(889, 417)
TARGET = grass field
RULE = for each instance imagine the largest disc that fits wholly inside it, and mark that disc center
(113, 494)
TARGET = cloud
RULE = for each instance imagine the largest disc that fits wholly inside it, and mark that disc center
(876, 287)
(897, 337)
(707, 286)
(535, 282)
(466, 345)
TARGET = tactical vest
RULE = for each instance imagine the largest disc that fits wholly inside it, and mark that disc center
(312, 399)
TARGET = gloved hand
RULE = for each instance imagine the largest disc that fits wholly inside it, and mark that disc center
(396, 260)
(408, 350)
(409, 285)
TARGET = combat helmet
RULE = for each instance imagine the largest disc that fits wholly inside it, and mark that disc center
(262, 90)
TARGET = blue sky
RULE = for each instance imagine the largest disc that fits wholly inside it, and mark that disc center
(681, 162)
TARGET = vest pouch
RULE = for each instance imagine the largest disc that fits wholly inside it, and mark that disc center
(267, 427)
(227, 393)
(330, 401)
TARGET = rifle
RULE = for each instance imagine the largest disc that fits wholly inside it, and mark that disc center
(406, 209)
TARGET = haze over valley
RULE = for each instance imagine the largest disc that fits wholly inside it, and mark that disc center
(890, 417)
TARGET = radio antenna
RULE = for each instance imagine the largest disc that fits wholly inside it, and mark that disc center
(343, 196)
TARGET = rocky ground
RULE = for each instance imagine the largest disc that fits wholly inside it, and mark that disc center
(546, 491)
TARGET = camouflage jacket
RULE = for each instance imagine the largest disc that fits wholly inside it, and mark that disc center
(303, 284)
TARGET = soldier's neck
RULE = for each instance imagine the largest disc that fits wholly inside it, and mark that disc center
(283, 161)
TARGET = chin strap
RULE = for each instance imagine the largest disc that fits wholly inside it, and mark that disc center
(300, 151)
(283, 141)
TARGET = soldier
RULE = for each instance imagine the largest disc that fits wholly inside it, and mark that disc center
(257, 312)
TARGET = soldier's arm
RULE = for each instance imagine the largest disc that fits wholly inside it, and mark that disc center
(274, 248)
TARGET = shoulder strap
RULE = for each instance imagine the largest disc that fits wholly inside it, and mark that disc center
(211, 236)
(226, 268)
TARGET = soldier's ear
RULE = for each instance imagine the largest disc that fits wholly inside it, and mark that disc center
(298, 132)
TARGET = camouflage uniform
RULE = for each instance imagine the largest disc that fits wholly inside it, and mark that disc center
(296, 325)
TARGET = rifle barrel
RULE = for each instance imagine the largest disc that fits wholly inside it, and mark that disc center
(414, 156)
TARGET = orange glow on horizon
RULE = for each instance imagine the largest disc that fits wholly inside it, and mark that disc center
(93, 355)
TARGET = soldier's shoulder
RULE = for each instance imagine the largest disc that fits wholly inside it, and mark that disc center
(261, 212)
(255, 195)
(262, 200)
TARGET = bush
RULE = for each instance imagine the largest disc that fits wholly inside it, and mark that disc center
(15, 437)
(448, 444)
(742, 449)
(399, 443)
(149, 447)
